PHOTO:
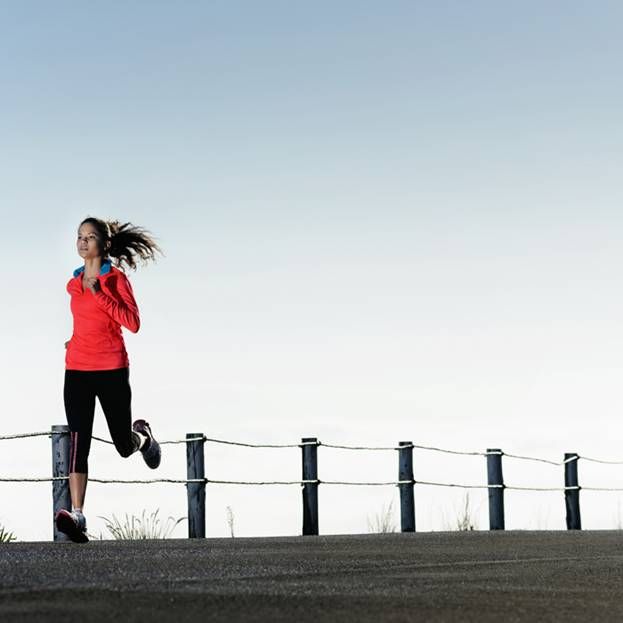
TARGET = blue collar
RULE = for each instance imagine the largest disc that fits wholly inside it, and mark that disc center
(106, 265)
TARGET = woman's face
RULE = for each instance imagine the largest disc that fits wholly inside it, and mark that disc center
(89, 242)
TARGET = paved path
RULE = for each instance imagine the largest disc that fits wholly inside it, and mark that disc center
(442, 576)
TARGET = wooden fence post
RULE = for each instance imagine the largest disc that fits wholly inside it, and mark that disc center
(496, 493)
(61, 496)
(196, 491)
(405, 472)
(572, 496)
(310, 489)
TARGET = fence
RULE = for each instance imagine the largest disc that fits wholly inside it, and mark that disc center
(196, 480)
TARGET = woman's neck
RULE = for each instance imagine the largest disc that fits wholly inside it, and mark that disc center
(92, 267)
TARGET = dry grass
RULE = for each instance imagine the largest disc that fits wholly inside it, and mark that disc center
(133, 527)
(465, 520)
(383, 522)
(6, 536)
(230, 520)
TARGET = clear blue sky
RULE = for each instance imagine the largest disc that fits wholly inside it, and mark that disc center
(381, 221)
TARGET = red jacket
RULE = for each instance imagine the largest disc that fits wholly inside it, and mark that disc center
(97, 342)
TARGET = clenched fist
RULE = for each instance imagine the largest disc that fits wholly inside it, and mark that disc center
(93, 284)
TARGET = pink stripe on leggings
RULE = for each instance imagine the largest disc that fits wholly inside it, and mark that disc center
(74, 450)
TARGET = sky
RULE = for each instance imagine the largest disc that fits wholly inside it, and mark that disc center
(381, 222)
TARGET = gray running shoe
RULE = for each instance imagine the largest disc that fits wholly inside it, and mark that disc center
(73, 524)
(151, 448)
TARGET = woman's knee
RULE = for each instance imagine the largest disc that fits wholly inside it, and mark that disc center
(125, 449)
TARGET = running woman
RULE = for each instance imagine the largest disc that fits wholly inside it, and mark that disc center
(96, 361)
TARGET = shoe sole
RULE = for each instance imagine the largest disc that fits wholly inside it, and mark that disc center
(155, 454)
(153, 451)
(66, 525)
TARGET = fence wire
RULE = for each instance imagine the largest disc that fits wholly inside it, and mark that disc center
(318, 443)
(313, 482)
(339, 446)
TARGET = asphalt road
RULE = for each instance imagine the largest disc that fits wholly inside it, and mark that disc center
(440, 576)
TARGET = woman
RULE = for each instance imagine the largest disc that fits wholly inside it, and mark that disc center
(96, 361)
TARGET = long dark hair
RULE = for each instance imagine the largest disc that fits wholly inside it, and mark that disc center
(127, 242)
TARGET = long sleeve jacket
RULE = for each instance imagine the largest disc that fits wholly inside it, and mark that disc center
(97, 342)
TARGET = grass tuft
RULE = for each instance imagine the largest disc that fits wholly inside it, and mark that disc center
(136, 528)
(465, 520)
(383, 522)
(6, 536)
(230, 520)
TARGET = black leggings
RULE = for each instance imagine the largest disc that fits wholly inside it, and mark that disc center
(112, 387)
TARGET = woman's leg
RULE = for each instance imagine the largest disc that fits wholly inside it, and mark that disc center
(79, 398)
(77, 488)
(115, 396)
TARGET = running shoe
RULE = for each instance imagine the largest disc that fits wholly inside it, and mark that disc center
(151, 448)
(73, 524)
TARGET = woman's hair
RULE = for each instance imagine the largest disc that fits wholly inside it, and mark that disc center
(127, 242)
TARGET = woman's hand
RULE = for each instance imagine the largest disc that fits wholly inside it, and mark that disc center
(67, 342)
(93, 284)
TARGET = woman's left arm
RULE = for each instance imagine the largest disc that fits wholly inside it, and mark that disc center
(125, 312)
